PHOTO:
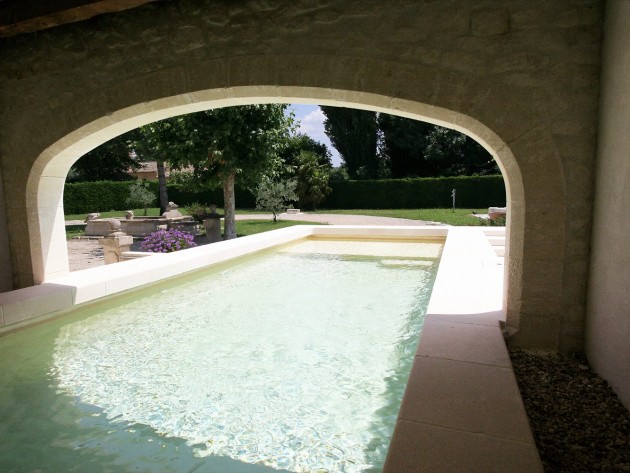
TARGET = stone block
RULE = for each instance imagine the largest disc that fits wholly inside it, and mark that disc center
(463, 341)
(470, 397)
(490, 22)
(417, 447)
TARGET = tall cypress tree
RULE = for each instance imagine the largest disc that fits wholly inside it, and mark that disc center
(355, 135)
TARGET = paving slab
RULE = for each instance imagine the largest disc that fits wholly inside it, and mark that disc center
(418, 447)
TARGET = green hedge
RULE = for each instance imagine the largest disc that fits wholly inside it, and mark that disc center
(103, 196)
(429, 193)
(100, 196)
(472, 192)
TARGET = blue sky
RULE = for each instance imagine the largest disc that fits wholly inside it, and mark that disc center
(311, 120)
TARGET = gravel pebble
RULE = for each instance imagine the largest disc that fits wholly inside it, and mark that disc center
(84, 253)
(578, 422)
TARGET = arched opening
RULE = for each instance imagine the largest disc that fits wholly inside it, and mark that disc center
(47, 177)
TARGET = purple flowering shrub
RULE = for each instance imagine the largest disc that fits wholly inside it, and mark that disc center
(166, 241)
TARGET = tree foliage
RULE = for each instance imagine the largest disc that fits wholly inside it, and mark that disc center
(107, 162)
(419, 149)
(381, 145)
(354, 133)
(312, 179)
(301, 142)
(274, 195)
(140, 196)
(232, 145)
(156, 142)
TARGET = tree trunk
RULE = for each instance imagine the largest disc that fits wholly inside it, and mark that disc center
(229, 206)
(162, 185)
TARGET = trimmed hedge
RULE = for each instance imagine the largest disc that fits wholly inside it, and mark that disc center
(425, 193)
(103, 196)
(100, 196)
(472, 192)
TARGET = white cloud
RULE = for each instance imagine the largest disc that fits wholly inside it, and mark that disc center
(311, 120)
(313, 123)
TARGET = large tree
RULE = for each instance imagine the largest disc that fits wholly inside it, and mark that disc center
(232, 145)
(308, 161)
(159, 141)
(354, 133)
(312, 179)
(419, 149)
(107, 162)
(301, 142)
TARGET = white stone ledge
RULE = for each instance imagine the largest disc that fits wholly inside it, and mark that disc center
(462, 386)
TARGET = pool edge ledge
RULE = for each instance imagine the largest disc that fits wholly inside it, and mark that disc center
(462, 409)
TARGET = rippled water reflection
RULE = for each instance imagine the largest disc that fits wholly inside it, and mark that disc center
(296, 360)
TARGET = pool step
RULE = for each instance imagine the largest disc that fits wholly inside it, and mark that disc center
(496, 238)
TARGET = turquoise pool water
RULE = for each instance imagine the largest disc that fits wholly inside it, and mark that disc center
(292, 361)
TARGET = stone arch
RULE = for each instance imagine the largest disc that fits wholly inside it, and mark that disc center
(45, 185)
(492, 114)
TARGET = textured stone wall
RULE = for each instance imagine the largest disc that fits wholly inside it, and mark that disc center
(5, 254)
(520, 75)
(608, 318)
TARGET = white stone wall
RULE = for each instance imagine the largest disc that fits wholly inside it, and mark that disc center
(521, 76)
(608, 318)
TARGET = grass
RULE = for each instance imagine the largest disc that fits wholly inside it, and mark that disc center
(251, 227)
(74, 231)
(460, 217)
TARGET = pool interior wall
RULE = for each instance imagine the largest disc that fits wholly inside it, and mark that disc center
(461, 410)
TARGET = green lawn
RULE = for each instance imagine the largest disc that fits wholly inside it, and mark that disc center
(460, 217)
(250, 227)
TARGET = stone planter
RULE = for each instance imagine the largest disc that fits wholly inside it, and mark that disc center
(212, 225)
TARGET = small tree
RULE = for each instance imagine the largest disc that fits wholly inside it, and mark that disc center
(275, 196)
(140, 196)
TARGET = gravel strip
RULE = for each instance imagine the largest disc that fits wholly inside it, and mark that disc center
(578, 422)
(84, 253)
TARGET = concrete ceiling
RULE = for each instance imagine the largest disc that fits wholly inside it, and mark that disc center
(27, 16)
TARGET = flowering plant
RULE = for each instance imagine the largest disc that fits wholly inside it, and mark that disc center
(166, 241)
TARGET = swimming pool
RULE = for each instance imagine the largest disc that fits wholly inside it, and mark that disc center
(295, 361)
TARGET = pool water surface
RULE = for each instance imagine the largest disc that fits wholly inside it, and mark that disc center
(295, 360)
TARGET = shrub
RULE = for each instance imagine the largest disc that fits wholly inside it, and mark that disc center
(167, 241)
(497, 222)
(100, 196)
(275, 196)
(140, 196)
(198, 211)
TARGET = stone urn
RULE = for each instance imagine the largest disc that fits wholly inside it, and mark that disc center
(212, 225)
